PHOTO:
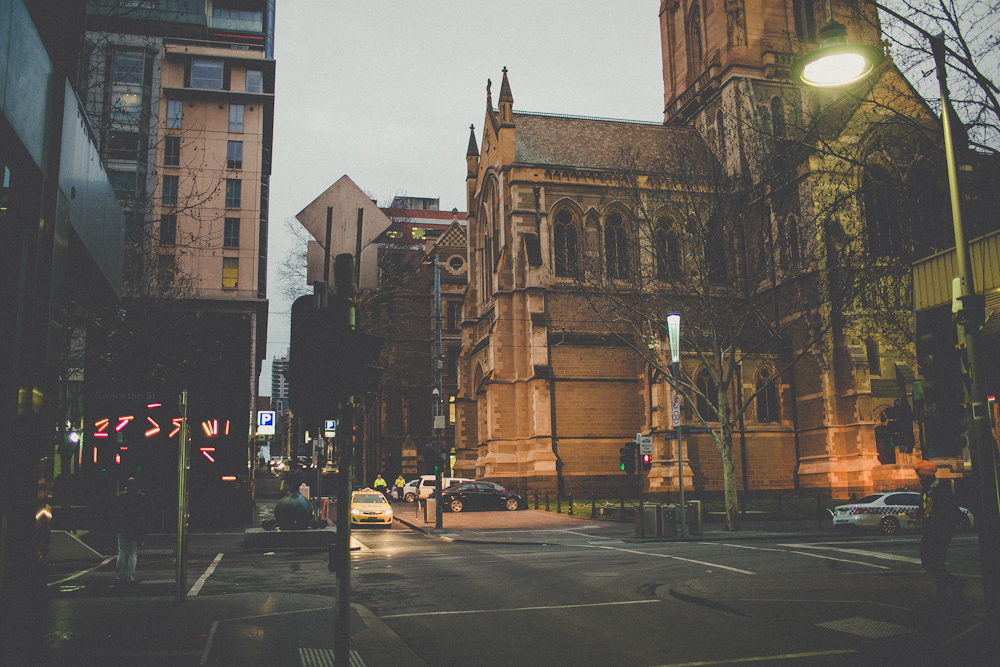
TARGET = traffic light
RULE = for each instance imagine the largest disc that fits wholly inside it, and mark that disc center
(647, 462)
(328, 361)
(940, 363)
(626, 458)
(900, 425)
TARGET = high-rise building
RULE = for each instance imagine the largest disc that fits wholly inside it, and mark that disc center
(181, 97)
(279, 384)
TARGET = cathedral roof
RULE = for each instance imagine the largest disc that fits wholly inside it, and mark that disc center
(591, 143)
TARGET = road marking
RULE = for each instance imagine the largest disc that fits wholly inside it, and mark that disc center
(742, 546)
(494, 611)
(760, 658)
(686, 560)
(83, 572)
(842, 560)
(857, 552)
(203, 578)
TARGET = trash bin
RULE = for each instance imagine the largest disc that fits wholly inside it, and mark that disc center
(693, 516)
(668, 520)
(647, 523)
(430, 510)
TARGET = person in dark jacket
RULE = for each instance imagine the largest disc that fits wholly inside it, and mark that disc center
(129, 513)
(940, 517)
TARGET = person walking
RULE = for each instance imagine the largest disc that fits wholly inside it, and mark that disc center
(130, 519)
(399, 484)
(380, 484)
(940, 518)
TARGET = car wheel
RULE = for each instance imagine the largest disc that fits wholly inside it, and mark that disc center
(410, 497)
(889, 525)
(456, 506)
(511, 504)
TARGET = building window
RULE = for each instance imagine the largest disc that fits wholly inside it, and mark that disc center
(452, 321)
(883, 205)
(238, 19)
(616, 254)
(720, 128)
(668, 251)
(708, 397)
(767, 397)
(231, 235)
(230, 272)
(564, 241)
(126, 107)
(169, 190)
(694, 49)
(778, 117)
(451, 411)
(874, 363)
(127, 67)
(123, 145)
(418, 233)
(234, 155)
(175, 114)
(166, 268)
(123, 183)
(715, 252)
(805, 20)
(171, 151)
(234, 189)
(255, 81)
(168, 229)
(206, 74)
(235, 117)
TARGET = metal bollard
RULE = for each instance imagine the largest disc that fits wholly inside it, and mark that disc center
(593, 506)
(536, 498)
(558, 504)
(546, 501)
(621, 512)
(571, 504)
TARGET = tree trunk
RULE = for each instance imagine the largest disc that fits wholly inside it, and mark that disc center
(729, 480)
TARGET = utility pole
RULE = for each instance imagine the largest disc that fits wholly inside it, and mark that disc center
(182, 502)
(438, 416)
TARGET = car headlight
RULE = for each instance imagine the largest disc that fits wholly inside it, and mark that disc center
(353, 511)
(388, 512)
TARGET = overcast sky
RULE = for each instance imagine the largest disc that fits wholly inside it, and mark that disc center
(385, 90)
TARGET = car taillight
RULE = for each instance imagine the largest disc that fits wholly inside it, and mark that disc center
(861, 510)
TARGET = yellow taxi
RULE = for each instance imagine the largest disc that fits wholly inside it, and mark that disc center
(369, 507)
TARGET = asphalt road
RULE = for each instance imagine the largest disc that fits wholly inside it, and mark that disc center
(528, 588)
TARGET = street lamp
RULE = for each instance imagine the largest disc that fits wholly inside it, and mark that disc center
(674, 334)
(969, 314)
(836, 62)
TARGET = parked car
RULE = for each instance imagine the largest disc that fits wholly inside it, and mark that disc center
(480, 496)
(888, 513)
(423, 486)
(369, 507)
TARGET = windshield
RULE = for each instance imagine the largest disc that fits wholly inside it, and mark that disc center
(369, 498)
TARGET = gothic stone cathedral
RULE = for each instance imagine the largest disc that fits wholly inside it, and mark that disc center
(546, 397)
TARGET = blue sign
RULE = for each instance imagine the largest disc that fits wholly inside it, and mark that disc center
(265, 422)
(330, 428)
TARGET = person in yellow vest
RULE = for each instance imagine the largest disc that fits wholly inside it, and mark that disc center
(380, 484)
(399, 484)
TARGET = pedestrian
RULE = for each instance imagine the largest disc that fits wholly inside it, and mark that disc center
(399, 483)
(940, 518)
(131, 521)
(380, 484)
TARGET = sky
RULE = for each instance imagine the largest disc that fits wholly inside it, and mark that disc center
(384, 91)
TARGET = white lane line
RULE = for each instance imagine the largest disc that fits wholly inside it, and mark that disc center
(803, 553)
(82, 572)
(203, 578)
(857, 552)
(686, 560)
(842, 560)
(760, 658)
(494, 611)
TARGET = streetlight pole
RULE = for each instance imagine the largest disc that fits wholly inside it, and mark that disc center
(438, 415)
(674, 333)
(969, 314)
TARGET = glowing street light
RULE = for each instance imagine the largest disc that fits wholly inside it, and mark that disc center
(674, 334)
(836, 62)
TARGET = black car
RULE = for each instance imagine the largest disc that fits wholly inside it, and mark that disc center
(480, 496)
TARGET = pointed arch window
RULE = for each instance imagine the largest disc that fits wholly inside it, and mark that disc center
(715, 251)
(883, 212)
(767, 397)
(564, 242)
(708, 399)
(778, 117)
(720, 130)
(694, 49)
(616, 255)
(668, 251)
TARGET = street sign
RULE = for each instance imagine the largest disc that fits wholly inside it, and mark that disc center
(330, 428)
(646, 445)
(675, 408)
(265, 422)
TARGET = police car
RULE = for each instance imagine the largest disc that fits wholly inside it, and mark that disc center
(369, 507)
(888, 513)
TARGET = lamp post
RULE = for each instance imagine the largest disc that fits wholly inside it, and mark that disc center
(968, 307)
(674, 333)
